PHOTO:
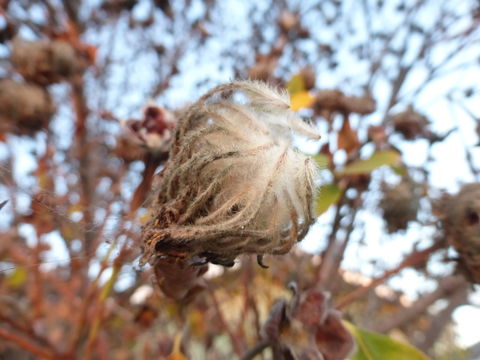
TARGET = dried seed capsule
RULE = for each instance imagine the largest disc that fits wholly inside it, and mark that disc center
(463, 226)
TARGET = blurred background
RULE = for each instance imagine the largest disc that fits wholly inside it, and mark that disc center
(393, 88)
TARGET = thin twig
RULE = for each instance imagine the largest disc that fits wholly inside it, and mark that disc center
(29, 346)
(413, 259)
(237, 345)
(256, 350)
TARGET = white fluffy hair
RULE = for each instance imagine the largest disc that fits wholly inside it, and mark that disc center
(233, 183)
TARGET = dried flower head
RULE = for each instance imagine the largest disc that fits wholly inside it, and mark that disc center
(46, 62)
(410, 124)
(26, 108)
(463, 226)
(233, 184)
(152, 134)
(400, 204)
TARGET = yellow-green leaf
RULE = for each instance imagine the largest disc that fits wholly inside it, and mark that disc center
(380, 158)
(328, 195)
(373, 346)
(296, 84)
(321, 160)
(301, 100)
(17, 278)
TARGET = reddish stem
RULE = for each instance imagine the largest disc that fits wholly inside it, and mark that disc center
(413, 259)
(25, 344)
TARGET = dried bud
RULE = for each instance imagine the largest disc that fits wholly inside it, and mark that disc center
(410, 124)
(263, 68)
(232, 183)
(25, 108)
(151, 134)
(329, 101)
(288, 21)
(463, 226)
(45, 63)
(399, 204)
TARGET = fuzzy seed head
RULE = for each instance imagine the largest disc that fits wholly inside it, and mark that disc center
(233, 183)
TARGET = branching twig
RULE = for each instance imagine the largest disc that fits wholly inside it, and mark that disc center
(413, 259)
(256, 350)
(42, 353)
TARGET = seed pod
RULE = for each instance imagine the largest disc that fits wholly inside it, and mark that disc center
(45, 62)
(399, 205)
(410, 124)
(233, 184)
(329, 101)
(463, 226)
(25, 108)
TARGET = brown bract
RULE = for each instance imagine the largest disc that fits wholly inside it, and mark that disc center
(233, 184)
(306, 329)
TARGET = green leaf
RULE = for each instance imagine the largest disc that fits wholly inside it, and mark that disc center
(372, 346)
(380, 158)
(328, 195)
(296, 84)
(321, 160)
(17, 278)
(399, 170)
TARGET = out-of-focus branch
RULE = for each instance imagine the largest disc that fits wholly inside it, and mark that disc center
(84, 166)
(457, 298)
(326, 265)
(236, 342)
(41, 352)
(25, 329)
(446, 286)
(473, 352)
(256, 350)
(413, 259)
(333, 257)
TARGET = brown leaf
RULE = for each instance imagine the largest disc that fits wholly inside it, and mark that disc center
(347, 138)
(312, 310)
(177, 279)
(333, 339)
(304, 329)
(276, 320)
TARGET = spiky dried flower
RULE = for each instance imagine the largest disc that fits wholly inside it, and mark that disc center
(233, 183)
